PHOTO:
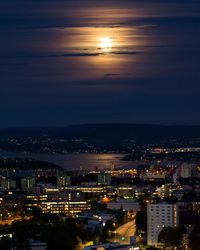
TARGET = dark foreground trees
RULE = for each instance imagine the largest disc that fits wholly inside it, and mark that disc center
(58, 234)
(63, 235)
(194, 239)
(141, 222)
(170, 236)
(5, 243)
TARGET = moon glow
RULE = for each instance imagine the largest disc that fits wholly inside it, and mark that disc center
(106, 44)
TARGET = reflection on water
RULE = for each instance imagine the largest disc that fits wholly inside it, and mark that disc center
(77, 161)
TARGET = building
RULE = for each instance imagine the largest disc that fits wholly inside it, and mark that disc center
(186, 170)
(58, 203)
(94, 224)
(166, 190)
(64, 207)
(63, 180)
(104, 179)
(88, 189)
(36, 245)
(8, 184)
(125, 191)
(27, 183)
(159, 216)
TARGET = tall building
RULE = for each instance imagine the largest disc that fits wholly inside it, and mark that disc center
(186, 170)
(104, 179)
(159, 216)
(63, 180)
(8, 184)
(27, 183)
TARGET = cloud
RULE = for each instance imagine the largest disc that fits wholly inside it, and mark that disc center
(125, 52)
(117, 75)
(88, 54)
(12, 64)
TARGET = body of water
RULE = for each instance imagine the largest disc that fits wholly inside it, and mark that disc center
(77, 161)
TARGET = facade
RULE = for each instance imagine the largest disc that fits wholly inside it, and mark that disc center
(63, 181)
(27, 183)
(126, 191)
(64, 207)
(88, 189)
(104, 179)
(8, 184)
(186, 170)
(159, 216)
(59, 203)
(93, 225)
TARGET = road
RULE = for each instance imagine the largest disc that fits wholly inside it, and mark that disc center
(124, 232)
(12, 219)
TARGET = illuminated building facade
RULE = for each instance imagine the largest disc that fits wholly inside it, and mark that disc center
(159, 216)
(56, 205)
(64, 207)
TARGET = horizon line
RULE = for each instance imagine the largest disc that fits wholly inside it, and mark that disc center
(100, 123)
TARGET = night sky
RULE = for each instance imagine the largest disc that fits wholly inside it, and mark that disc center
(70, 62)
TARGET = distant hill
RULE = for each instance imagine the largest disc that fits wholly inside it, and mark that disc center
(26, 163)
(111, 132)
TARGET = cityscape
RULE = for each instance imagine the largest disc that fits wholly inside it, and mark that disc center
(147, 199)
(100, 125)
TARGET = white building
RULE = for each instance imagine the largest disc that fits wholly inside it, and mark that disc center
(159, 216)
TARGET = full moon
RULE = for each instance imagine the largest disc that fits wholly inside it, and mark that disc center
(106, 44)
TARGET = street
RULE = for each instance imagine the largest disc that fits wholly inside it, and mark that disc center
(124, 232)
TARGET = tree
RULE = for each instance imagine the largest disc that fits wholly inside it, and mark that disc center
(141, 221)
(195, 235)
(96, 206)
(170, 236)
(170, 199)
(6, 243)
(21, 230)
(107, 230)
(64, 235)
(194, 239)
(120, 216)
(96, 235)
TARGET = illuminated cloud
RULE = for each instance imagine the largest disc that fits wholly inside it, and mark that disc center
(51, 64)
